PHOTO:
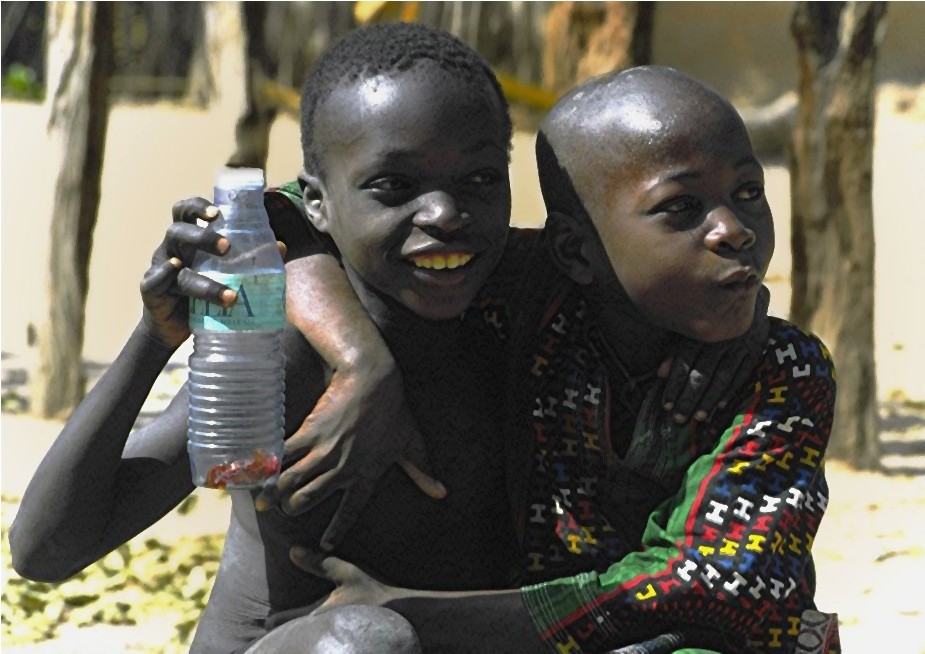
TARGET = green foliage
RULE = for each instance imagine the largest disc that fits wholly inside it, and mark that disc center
(143, 579)
(20, 83)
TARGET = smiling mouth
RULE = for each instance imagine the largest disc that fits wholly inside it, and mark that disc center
(446, 261)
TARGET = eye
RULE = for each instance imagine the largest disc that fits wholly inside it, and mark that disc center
(485, 176)
(750, 193)
(388, 184)
(684, 204)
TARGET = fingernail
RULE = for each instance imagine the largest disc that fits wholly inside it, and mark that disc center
(722, 405)
(298, 552)
(700, 416)
(669, 406)
(228, 297)
(176, 263)
(680, 418)
(211, 211)
(222, 245)
(261, 504)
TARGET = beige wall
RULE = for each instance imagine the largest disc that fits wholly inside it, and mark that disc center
(157, 154)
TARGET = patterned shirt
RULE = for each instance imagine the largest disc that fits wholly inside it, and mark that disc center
(702, 529)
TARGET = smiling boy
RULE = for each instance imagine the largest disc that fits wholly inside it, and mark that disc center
(406, 154)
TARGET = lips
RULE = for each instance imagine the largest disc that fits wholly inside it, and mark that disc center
(744, 277)
(440, 260)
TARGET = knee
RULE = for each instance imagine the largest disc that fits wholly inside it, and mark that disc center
(345, 630)
(372, 630)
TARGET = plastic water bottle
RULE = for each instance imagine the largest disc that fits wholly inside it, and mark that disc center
(237, 368)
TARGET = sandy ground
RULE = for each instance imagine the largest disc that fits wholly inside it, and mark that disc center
(871, 546)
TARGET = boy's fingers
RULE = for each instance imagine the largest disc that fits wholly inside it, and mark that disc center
(309, 560)
(427, 484)
(351, 504)
(677, 378)
(319, 564)
(415, 465)
(719, 389)
(183, 240)
(202, 288)
(160, 277)
(302, 499)
(192, 209)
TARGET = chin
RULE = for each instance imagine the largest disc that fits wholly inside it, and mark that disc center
(711, 331)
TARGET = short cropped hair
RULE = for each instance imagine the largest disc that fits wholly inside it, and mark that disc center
(386, 48)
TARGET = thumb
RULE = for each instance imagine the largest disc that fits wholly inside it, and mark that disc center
(316, 563)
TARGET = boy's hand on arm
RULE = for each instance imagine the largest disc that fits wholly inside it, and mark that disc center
(445, 621)
(360, 426)
(701, 376)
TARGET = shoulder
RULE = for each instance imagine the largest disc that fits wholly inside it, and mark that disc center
(796, 353)
(796, 377)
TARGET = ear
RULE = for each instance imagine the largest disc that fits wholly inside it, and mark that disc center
(572, 246)
(313, 197)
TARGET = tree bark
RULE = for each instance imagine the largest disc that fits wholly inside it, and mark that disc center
(584, 39)
(252, 131)
(832, 209)
(80, 58)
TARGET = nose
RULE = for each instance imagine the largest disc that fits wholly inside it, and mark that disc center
(727, 232)
(438, 210)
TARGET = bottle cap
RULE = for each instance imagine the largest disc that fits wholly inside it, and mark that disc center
(239, 178)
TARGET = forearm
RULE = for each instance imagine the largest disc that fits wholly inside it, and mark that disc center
(478, 621)
(322, 304)
(67, 507)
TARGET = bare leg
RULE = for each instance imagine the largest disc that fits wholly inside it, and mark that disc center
(345, 630)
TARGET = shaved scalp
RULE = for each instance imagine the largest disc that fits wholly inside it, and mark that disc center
(604, 125)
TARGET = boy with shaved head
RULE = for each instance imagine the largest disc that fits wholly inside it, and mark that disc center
(635, 528)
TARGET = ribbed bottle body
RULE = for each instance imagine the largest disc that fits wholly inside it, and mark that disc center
(235, 428)
(237, 368)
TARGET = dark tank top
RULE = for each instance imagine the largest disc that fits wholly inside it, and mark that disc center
(453, 374)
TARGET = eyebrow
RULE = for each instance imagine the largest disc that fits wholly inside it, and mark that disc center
(747, 160)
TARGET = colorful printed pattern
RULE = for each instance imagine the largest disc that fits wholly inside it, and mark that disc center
(735, 505)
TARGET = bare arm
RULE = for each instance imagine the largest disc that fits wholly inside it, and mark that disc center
(85, 498)
(351, 436)
(98, 486)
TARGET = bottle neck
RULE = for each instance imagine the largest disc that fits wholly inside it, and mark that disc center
(238, 198)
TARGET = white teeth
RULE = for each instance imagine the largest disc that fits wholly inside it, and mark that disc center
(440, 261)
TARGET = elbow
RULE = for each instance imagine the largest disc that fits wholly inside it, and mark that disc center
(37, 562)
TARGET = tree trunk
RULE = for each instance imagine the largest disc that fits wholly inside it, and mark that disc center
(252, 131)
(832, 210)
(80, 58)
(584, 39)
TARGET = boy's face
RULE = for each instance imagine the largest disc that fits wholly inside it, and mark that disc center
(685, 224)
(414, 187)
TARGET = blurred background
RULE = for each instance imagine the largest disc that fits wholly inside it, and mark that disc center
(113, 111)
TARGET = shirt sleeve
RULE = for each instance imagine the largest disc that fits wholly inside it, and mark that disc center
(290, 223)
(726, 561)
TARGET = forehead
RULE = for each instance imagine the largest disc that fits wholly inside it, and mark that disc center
(407, 110)
(637, 142)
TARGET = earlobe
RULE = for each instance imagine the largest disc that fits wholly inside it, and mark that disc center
(313, 197)
(570, 248)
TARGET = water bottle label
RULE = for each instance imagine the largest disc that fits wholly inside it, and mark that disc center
(261, 304)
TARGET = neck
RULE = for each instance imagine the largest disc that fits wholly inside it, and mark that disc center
(400, 327)
(638, 345)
